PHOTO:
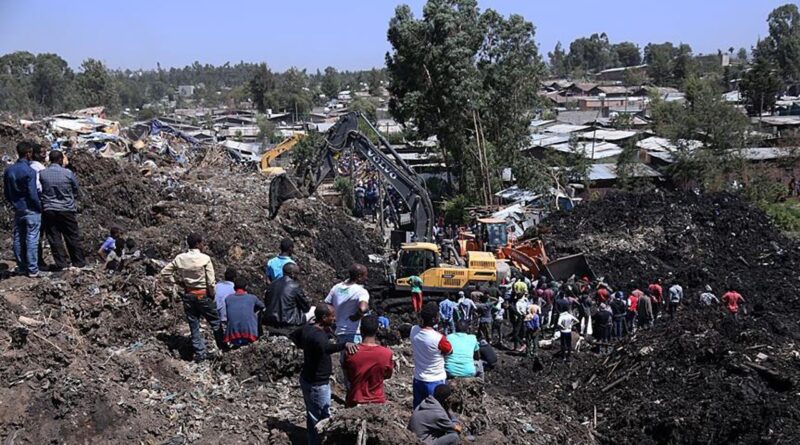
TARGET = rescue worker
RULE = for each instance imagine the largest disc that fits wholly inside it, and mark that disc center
(194, 273)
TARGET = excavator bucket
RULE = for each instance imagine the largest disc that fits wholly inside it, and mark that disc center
(563, 268)
(282, 188)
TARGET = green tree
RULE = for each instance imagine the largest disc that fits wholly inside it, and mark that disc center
(741, 55)
(96, 86)
(658, 57)
(784, 39)
(262, 87)
(52, 83)
(558, 61)
(591, 53)
(627, 53)
(364, 106)
(330, 82)
(761, 84)
(434, 80)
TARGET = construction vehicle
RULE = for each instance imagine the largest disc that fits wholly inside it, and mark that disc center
(420, 258)
(268, 158)
(528, 256)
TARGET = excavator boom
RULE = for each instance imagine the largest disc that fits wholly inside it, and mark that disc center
(394, 170)
(282, 147)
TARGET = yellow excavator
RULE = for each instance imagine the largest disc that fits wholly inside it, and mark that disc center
(272, 154)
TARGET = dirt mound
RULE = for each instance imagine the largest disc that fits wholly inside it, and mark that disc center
(269, 359)
(373, 424)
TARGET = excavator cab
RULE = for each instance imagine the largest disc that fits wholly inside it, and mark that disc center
(413, 261)
(493, 233)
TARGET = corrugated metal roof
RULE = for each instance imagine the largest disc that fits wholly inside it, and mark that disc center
(769, 153)
(607, 135)
(655, 143)
(600, 172)
(565, 128)
(578, 117)
(546, 140)
(599, 150)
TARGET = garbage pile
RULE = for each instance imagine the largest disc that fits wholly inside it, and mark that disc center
(702, 377)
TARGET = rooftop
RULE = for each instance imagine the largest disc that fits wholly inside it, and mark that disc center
(600, 172)
(607, 135)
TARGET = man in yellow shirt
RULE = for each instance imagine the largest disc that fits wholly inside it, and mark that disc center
(194, 273)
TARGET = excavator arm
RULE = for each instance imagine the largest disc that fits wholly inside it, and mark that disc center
(281, 148)
(395, 171)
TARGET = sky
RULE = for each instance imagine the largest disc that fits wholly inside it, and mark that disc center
(346, 34)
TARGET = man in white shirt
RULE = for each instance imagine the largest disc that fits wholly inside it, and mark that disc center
(428, 347)
(351, 302)
(565, 323)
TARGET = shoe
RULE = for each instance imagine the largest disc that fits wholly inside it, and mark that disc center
(39, 274)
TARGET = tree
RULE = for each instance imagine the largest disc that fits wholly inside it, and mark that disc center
(784, 40)
(262, 87)
(375, 78)
(741, 55)
(590, 54)
(558, 61)
(470, 78)
(668, 64)
(96, 86)
(330, 82)
(364, 106)
(433, 78)
(627, 53)
(52, 83)
(761, 84)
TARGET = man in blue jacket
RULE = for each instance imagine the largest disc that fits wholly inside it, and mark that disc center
(19, 187)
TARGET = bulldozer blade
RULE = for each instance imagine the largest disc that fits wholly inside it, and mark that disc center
(282, 188)
(563, 268)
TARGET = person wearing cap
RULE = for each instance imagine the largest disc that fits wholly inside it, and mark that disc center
(194, 273)
(432, 421)
(708, 298)
(466, 306)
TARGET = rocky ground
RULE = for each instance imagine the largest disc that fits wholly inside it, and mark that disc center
(89, 357)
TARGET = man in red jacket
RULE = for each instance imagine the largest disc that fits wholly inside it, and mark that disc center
(657, 297)
(367, 368)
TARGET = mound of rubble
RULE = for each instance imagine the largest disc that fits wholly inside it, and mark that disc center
(702, 377)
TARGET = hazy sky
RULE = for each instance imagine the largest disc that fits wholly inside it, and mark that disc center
(347, 34)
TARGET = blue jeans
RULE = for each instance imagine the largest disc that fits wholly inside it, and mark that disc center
(423, 390)
(197, 309)
(318, 404)
(449, 326)
(27, 225)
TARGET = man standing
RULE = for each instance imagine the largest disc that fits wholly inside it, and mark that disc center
(447, 310)
(59, 195)
(484, 318)
(656, 297)
(675, 298)
(317, 368)
(194, 273)
(732, 300)
(645, 311)
(633, 310)
(241, 308)
(369, 367)
(287, 304)
(351, 302)
(465, 351)
(707, 298)
(618, 310)
(274, 267)
(38, 164)
(19, 187)
(565, 323)
(416, 292)
(428, 348)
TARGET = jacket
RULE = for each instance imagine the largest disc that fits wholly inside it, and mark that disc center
(645, 308)
(430, 421)
(59, 189)
(618, 308)
(20, 187)
(191, 270)
(287, 303)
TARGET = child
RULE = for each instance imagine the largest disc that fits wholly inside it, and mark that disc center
(383, 322)
(110, 244)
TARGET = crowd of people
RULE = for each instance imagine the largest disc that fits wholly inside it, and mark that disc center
(455, 338)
